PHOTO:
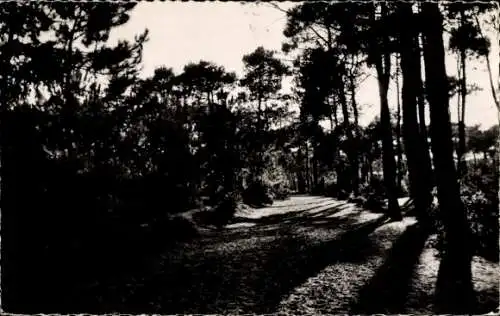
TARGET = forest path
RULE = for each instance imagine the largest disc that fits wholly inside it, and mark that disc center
(304, 255)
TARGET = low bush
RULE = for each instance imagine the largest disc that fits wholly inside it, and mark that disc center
(374, 188)
(224, 211)
(257, 194)
(335, 191)
(358, 200)
(374, 203)
(482, 214)
(330, 189)
(280, 191)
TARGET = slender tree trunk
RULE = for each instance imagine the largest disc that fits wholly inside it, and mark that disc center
(335, 117)
(398, 129)
(357, 136)
(383, 65)
(421, 100)
(230, 169)
(368, 172)
(461, 124)
(454, 291)
(410, 126)
(258, 170)
(410, 56)
(459, 108)
(308, 174)
(331, 118)
(347, 131)
(301, 182)
(426, 163)
(315, 174)
(345, 110)
(389, 164)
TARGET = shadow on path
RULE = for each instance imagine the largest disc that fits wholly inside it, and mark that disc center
(315, 211)
(317, 199)
(318, 217)
(286, 271)
(251, 281)
(387, 291)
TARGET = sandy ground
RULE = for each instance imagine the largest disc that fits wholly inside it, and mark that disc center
(304, 255)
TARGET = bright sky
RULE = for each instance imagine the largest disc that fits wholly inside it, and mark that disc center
(222, 32)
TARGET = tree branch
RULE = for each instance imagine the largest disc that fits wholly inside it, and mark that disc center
(277, 7)
(488, 65)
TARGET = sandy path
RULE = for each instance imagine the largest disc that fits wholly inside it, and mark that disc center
(304, 255)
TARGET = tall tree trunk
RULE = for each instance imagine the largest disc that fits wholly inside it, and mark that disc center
(419, 188)
(421, 94)
(426, 163)
(257, 169)
(454, 291)
(331, 117)
(383, 65)
(461, 125)
(370, 172)
(347, 130)
(398, 129)
(315, 174)
(301, 182)
(357, 136)
(230, 169)
(335, 117)
(459, 107)
(332, 122)
(345, 110)
(389, 164)
(308, 173)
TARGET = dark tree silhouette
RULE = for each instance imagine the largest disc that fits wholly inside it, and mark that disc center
(416, 150)
(454, 286)
(381, 56)
(263, 77)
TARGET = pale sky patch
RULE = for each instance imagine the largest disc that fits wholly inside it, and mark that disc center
(222, 32)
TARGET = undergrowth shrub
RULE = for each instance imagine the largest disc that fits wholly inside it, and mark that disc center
(479, 195)
(482, 214)
(333, 189)
(330, 185)
(280, 191)
(225, 209)
(257, 194)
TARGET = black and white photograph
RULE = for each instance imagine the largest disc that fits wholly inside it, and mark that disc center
(253, 158)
